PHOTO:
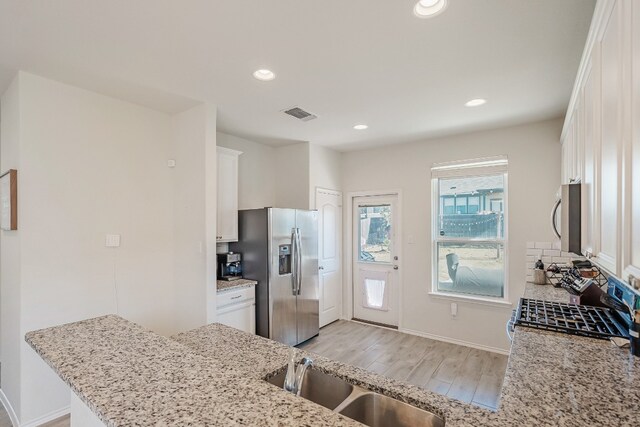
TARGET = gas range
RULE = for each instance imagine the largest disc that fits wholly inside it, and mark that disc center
(587, 321)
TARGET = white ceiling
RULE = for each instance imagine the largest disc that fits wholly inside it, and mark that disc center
(348, 61)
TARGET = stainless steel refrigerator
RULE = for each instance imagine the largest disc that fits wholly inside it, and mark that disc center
(279, 249)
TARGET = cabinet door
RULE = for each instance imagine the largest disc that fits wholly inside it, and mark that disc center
(633, 174)
(591, 146)
(611, 133)
(227, 209)
(568, 153)
(239, 316)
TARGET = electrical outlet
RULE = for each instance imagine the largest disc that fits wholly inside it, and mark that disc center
(454, 309)
(112, 241)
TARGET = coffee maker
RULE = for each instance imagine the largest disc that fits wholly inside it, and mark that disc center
(229, 266)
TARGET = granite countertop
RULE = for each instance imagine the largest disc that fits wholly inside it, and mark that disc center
(214, 375)
(227, 285)
(559, 379)
(130, 376)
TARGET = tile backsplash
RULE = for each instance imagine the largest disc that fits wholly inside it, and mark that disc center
(548, 252)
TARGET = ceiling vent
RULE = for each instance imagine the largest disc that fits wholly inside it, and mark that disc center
(300, 114)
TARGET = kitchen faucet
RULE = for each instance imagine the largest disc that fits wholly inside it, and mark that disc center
(295, 376)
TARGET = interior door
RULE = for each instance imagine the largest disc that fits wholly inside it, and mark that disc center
(329, 205)
(375, 260)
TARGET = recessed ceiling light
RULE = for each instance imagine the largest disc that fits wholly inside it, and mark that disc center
(429, 8)
(475, 102)
(360, 127)
(264, 75)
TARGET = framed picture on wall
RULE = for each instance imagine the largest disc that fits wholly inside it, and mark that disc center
(9, 200)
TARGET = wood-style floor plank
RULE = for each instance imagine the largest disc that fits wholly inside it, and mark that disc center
(459, 372)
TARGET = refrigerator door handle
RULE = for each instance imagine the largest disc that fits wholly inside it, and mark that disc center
(299, 268)
(294, 264)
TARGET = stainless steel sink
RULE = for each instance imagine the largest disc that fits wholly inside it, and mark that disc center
(376, 410)
(320, 388)
(360, 404)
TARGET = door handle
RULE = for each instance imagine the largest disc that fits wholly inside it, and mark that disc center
(320, 268)
(294, 264)
(395, 267)
(299, 250)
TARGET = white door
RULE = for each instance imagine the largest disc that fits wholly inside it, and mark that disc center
(329, 205)
(376, 293)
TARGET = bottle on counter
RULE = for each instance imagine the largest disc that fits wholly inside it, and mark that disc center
(539, 264)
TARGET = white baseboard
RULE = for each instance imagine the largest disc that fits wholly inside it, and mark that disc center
(48, 417)
(9, 409)
(455, 341)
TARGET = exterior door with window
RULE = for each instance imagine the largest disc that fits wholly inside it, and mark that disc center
(375, 261)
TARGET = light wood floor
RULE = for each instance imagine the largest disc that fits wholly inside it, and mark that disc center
(463, 373)
(5, 421)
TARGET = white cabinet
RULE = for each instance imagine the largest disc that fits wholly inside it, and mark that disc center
(590, 145)
(237, 308)
(227, 197)
(632, 224)
(601, 137)
(611, 133)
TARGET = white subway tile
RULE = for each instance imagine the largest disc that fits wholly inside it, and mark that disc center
(534, 252)
(557, 244)
(551, 252)
(561, 260)
(531, 258)
(543, 245)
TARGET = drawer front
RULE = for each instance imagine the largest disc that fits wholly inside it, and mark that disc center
(235, 296)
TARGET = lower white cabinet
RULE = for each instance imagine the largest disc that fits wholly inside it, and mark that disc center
(237, 308)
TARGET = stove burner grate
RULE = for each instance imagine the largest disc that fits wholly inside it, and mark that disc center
(596, 322)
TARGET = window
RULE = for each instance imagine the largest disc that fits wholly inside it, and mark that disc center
(469, 235)
(374, 233)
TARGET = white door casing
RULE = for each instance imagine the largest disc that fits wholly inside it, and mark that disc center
(375, 259)
(329, 205)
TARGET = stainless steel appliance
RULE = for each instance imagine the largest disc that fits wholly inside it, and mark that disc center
(280, 249)
(570, 217)
(229, 266)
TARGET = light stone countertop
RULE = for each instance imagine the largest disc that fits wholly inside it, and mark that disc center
(228, 285)
(129, 376)
(214, 375)
(566, 380)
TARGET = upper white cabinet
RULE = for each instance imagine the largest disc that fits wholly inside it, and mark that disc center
(631, 247)
(611, 132)
(227, 206)
(601, 139)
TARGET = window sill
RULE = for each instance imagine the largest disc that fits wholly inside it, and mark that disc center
(472, 299)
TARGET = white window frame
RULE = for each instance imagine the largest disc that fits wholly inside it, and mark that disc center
(467, 169)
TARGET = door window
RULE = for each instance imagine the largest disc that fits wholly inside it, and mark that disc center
(374, 235)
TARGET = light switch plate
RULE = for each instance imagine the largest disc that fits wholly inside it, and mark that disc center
(112, 241)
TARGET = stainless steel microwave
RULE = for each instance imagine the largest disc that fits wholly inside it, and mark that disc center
(567, 213)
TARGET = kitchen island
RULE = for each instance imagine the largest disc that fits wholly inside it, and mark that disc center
(214, 375)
